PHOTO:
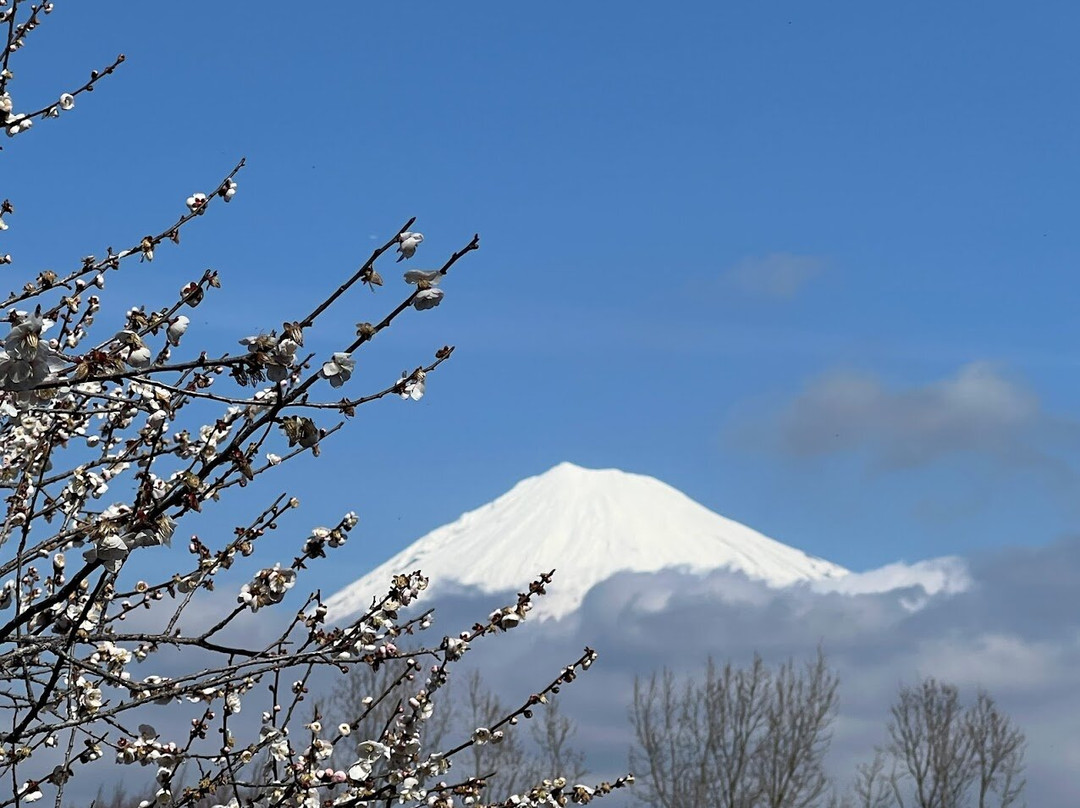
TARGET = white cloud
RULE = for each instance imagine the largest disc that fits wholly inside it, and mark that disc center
(947, 575)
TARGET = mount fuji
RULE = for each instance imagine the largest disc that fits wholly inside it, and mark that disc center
(588, 525)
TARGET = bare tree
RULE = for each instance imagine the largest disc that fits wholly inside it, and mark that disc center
(872, 787)
(998, 747)
(500, 758)
(800, 709)
(741, 738)
(376, 695)
(929, 741)
(553, 746)
(506, 760)
(940, 754)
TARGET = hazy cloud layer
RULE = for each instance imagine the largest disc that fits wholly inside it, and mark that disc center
(779, 275)
(976, 410)
(1008, 622)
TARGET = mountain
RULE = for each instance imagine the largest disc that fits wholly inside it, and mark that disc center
(588, 525)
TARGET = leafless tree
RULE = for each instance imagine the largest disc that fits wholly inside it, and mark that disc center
(940, 754)
(501, 758)
(872, 787)
(998, 746)
(929, 741)
(375, 695)
(553, 746)
(798, 712)
(504, 759)
(748, 737)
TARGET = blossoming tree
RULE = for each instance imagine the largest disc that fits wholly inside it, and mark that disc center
(113, 430)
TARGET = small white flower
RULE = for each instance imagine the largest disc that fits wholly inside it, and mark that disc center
(279, 749)
(92, 699)
(428, 298)
(372, 750)
(432, 276)
(272, 458)
(344, 729)
(30, 791)
(232, 702)
(110, 550)
(229, 191)
(456, 647)
(409, 790)
(360, 770)
(196, 203)
(414, 386)
(140, 357)
(339, 369)
(67, 101)
(177, 328)
(407, 244)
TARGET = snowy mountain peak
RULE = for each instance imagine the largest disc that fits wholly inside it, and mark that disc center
(588, 525)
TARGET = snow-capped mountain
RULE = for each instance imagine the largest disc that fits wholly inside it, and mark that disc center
(588, 525)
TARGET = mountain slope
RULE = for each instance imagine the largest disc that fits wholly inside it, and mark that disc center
(588, 525)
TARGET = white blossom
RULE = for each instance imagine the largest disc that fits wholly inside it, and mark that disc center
(196, 203)
(139, 357)
(430, 276)
(26, 360)
(339, 369)
(177, 328)
(407, 244)
(110, 550)
(456, 647)
(269, 586)
(428, 298)
(30, 791)
(413, 386)
(67, 101)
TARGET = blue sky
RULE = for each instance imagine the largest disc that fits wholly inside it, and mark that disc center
(810, 263)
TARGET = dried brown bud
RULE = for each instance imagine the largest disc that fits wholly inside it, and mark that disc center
(369, 276)
(293, 331)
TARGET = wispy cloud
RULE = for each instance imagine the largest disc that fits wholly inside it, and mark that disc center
(778, 275)
(976, 410)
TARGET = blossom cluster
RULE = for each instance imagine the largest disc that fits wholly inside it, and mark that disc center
(115, 432)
